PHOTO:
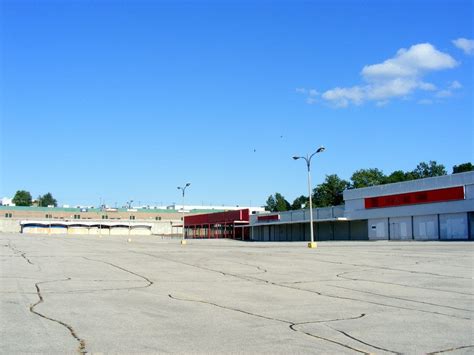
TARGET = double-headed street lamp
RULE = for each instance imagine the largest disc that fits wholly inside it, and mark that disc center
(307, 158)
(183, 189)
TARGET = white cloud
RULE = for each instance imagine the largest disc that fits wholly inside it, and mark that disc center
(411, 62)
(455, 85)
(467, 45)
(341, 97)
(380, 91)
(396, 77)
(311, 95)
(390, 88)
(426, 86)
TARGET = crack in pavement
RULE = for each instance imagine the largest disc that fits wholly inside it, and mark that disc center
(394, 269)
(22, 254)
(82, 344)
(256, 279)
(309, 281)
(229, 308)
(263, 270)
(366, 301)
(361, 341)
(451, 349)
(149, 282)
(344, 333)
(345, 278)
(400, 298)
(290, 323)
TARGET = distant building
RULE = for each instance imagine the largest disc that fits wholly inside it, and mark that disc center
(188, 208)
(437, 208)
(86, 220)
(7, 201)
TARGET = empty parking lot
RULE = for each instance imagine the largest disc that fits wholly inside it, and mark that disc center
(91, 294)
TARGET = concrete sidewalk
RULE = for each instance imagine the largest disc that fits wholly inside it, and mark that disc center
(66, 294)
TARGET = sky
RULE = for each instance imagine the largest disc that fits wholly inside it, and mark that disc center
(110, 101)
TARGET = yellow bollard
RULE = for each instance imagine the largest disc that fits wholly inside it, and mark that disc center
(183, 242)
(312, 245)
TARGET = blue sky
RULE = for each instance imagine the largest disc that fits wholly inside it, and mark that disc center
(119, 100)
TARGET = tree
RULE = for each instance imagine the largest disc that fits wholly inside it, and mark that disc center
(47, 200)
(430, 169)
(329, 193)
(271, 204)
(461, 168)
(22, 198)
(277, 203)
(396, 176)
(281, 203)
(367, 177)
(299, 202)
(399, 176)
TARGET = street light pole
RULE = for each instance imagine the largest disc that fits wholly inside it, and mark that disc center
(307, 158)
(183, 189)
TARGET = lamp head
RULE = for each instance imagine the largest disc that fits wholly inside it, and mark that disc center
(296, 158)
(321, 149)
(187, 184)
(179, 187)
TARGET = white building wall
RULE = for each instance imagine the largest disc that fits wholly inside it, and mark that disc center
(378, 228)
(453, 226)
(453, 215)
(400, 228)
(469, 192)
(425, 227)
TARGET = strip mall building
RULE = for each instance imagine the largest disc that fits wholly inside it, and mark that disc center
(438, 208)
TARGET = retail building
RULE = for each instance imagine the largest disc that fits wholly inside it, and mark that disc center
(438, 208)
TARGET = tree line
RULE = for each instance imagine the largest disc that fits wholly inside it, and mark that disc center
(23, 198)
(329, 193)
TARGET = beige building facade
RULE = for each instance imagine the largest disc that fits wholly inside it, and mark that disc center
(46, 220)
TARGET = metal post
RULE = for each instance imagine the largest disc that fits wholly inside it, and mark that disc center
(311, 244)
(183, 237)
(310, 204)
(183, 189)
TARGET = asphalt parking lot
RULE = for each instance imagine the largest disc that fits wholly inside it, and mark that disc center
(69, 294)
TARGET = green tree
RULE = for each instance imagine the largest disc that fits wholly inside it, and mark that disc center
(461, 168)
(300, 202)
(430, 169)
(281, 203)
(329, 193)
(399, 176)
(396, 176)
(47, 200)
(22, 198)
(270, 204)
(367, 177)
(277, 203)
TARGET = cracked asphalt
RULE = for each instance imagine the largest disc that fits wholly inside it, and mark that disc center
(86, 294)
